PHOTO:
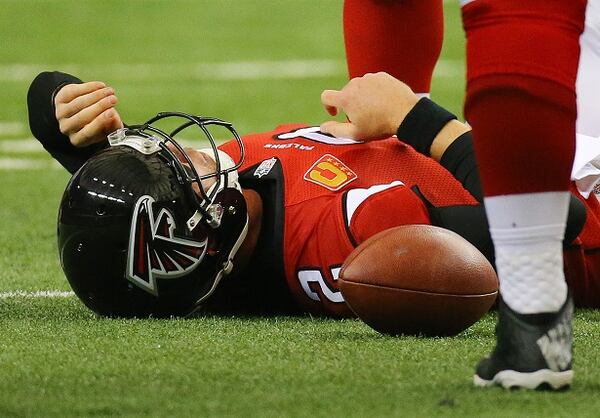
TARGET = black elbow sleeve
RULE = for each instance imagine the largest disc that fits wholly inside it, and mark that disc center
(40, 106)
(43, 123)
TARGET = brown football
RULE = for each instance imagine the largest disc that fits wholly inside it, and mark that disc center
(418, 280)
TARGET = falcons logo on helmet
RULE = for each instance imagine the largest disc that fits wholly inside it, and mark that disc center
(154, 252)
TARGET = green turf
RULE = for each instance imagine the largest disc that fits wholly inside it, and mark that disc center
(57, 359)
(62, 361)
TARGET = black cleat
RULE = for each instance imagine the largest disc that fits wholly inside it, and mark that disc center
(533, 351)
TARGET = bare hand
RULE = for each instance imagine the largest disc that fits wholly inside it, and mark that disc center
(85, 112)
(375, 104)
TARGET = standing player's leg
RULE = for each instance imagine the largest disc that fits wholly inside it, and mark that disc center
(400, 37)
(521, 67)
(588, 76)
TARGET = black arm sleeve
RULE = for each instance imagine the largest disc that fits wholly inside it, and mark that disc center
(43, 123)
(459, 160)
(469, 221)
(419, 129)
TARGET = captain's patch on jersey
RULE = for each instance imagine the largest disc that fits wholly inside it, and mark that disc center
(330, 173)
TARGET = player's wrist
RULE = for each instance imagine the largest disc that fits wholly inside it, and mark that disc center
(422, 124)
(445, 137)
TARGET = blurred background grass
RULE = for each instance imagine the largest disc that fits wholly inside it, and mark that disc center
(167, 40)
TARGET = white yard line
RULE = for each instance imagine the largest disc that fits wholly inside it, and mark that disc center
(225, 71)
(32, 145)
(22, 145)
(28, 164)
(11, 128)
(39, 294)
(241, 70)
(450, 69)
(236, 70)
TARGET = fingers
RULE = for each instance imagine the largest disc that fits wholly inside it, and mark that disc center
(71, 91)
(97, 129)
(113, 121)
(77, 104)
(340, 129)
(84, 117)
(375, 104)
(85, 112)
(331, 100)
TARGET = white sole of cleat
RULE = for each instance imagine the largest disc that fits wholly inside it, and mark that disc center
(546, 378)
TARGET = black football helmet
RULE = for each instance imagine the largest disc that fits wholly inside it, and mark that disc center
(138, 235)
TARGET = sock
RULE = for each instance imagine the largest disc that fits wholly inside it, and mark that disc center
(525, 183)
(527, 230)
(400, 37)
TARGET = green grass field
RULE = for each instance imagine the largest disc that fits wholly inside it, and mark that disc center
(257, 63)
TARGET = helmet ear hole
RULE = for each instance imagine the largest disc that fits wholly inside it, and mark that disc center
(101, 210)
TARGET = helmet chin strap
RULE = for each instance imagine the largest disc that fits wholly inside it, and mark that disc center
(227, 266)
(229, 179)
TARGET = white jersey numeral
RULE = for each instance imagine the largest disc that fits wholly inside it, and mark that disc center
(314, 134)
(306, 277)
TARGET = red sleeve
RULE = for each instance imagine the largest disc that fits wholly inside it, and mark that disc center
(369, 211)
(380, 35)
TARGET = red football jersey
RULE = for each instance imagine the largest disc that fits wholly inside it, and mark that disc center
(582, 260)
(335, 193)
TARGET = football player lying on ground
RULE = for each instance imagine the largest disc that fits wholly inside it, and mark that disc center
(310, 198)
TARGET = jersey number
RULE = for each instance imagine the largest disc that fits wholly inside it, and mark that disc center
(314, 134)
(315, 277)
